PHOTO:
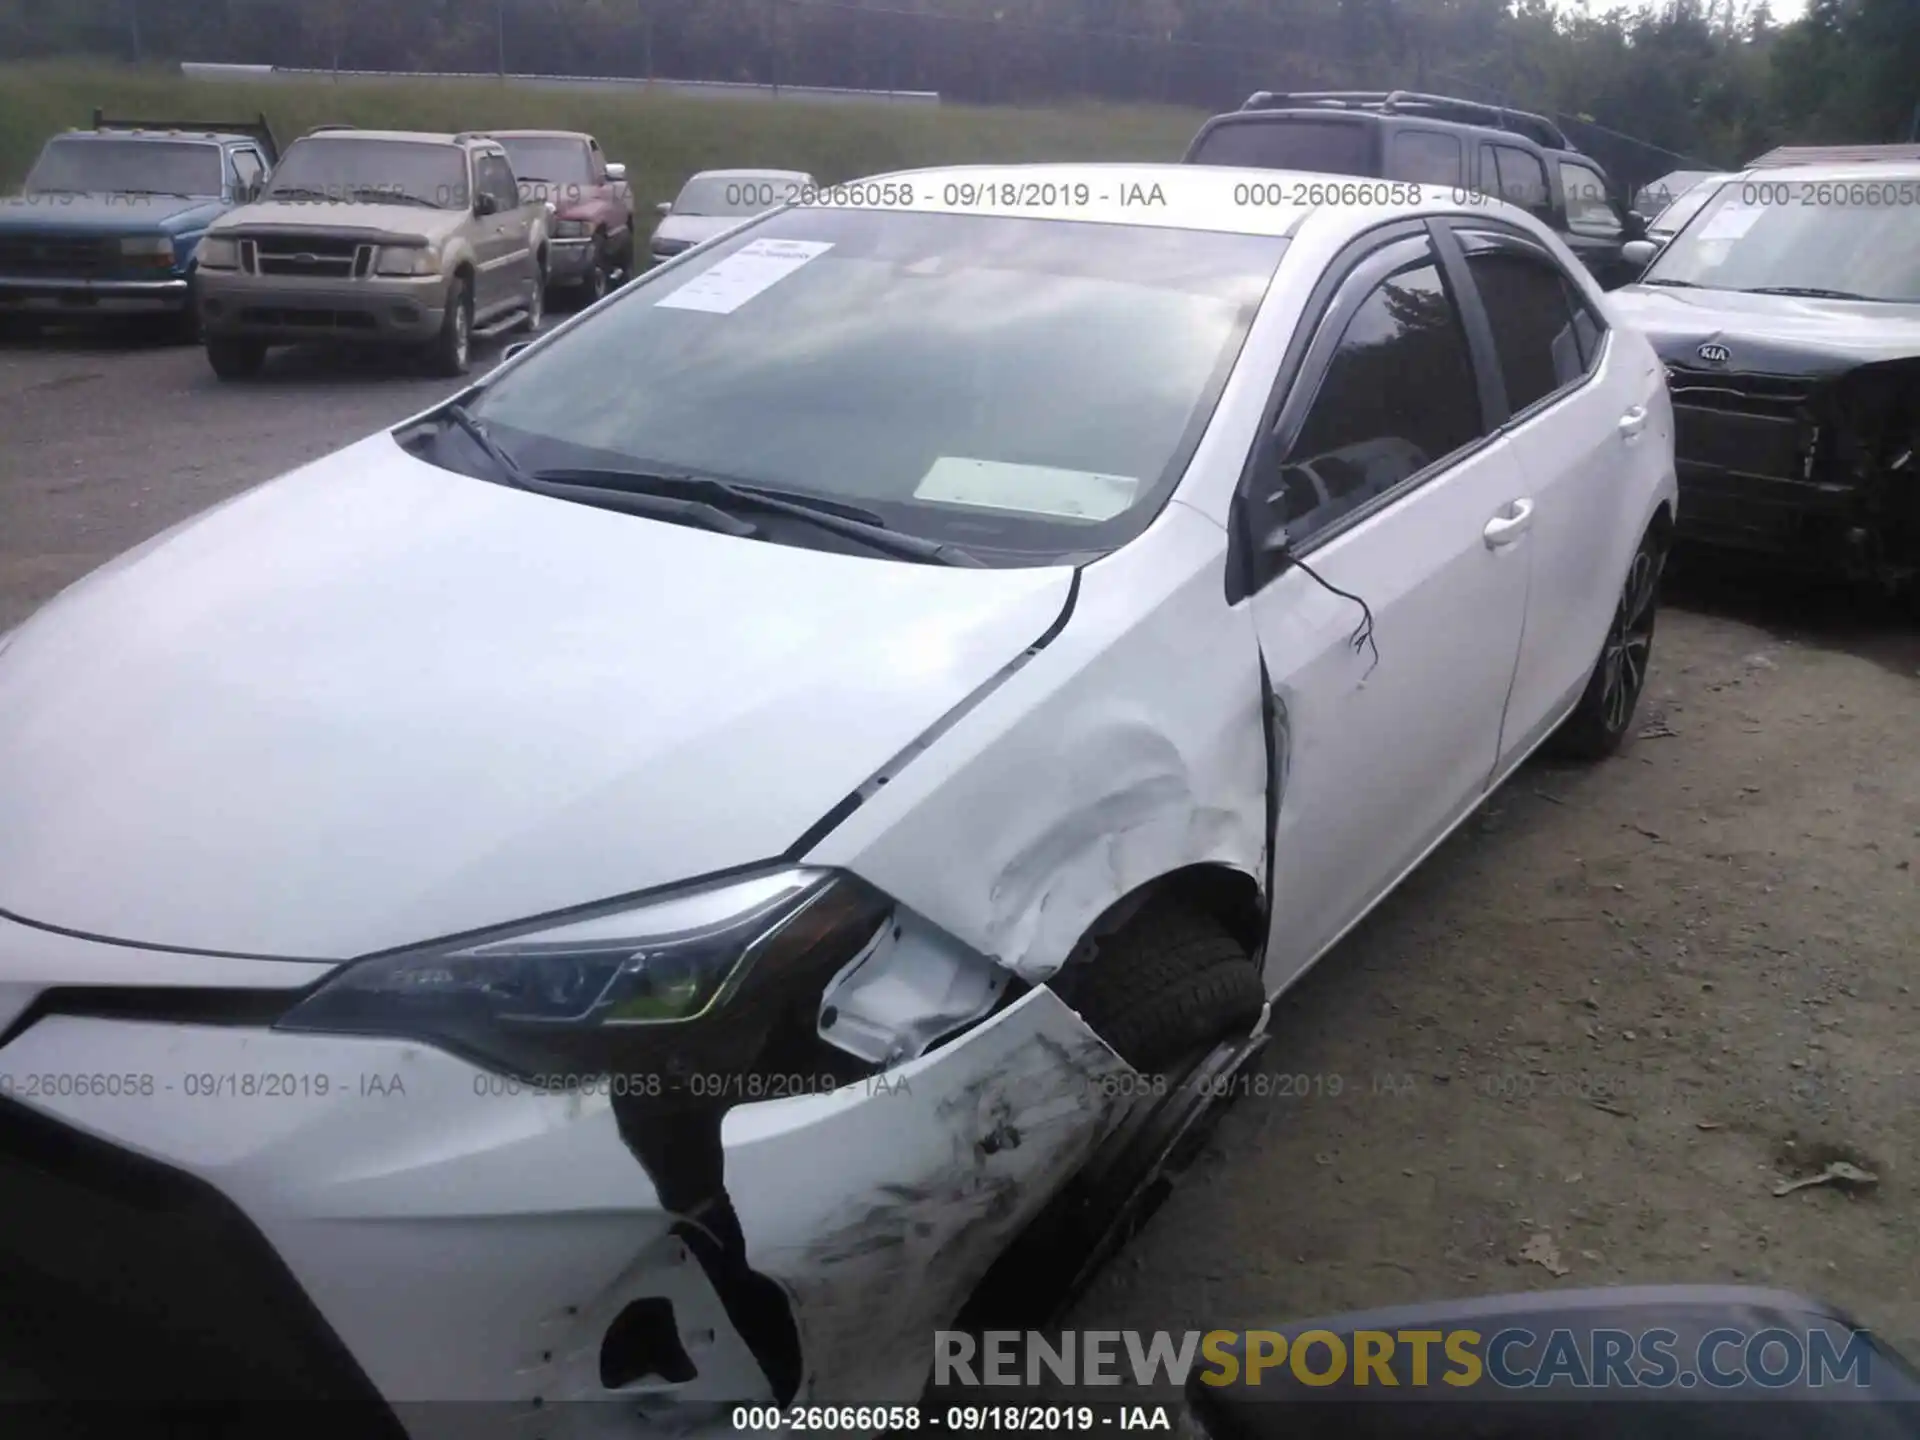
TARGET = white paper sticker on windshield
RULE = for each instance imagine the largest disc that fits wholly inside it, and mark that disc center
(724, 288)
(1035, 489)
(1731, 222)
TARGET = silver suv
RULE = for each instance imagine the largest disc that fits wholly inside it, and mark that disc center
(382, 236)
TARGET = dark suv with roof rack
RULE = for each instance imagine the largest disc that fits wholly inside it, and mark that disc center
(1517, 156)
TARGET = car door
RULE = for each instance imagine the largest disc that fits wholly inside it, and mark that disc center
(1595, 230)
(1577, 415)
(1398, 504)
(500, 239)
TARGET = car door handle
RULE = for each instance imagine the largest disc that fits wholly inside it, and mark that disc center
(1509, 525)
(1633, 422)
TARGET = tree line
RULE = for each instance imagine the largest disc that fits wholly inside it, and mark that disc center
(1714, 81)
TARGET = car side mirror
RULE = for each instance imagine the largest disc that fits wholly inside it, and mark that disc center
(665, 207)
(485, 204)
(1639, 253)
(616, 172)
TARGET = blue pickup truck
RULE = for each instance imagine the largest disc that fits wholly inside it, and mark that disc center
(108, 218)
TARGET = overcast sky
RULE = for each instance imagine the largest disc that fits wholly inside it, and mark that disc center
(1782, 9)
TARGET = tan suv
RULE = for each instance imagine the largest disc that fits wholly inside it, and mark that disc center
(376, 236)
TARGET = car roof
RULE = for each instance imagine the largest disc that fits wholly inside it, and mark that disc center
(1908, 170)
(534, 134)
(1198, 197)
(179, 137)
(419, 137)
(749, 174)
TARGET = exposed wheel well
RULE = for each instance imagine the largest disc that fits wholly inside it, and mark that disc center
(1661, 526)
(1230, 896)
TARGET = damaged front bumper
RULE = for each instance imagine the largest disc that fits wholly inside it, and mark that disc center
(379, 1224)
(1821, 474)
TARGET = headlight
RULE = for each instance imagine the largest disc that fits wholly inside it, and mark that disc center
(699, 972)
(572, 229)
(147, 247)
(216, 253)
(407, 260)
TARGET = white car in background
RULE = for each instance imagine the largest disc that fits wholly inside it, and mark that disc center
(756, 829)
(714, 201)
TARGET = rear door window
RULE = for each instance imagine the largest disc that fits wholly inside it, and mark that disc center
(1327, 147)
(1523, 179)
(1427, 157)
(1532, 321)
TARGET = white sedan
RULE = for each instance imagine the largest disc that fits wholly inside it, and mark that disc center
(748, 834)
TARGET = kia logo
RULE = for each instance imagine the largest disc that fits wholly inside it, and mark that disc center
(1714, 354)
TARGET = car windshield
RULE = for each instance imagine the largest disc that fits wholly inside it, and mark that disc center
(549, 168)
(1854, 238)
(736, 195)
(1026, 389)
(359, 171)
(1673, 219)
(126, 167)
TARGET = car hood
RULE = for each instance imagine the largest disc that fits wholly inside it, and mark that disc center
(695, 228)
(344, 218)
(103, 214)
(374, 702)
(1769, 334)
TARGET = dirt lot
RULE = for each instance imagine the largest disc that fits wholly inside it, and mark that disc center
(1615, 1011)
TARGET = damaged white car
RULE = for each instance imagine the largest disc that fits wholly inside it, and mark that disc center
(756, 830)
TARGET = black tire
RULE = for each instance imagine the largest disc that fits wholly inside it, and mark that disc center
(450, 353)
(623, 257)
(235, 357)
(1599, 724)
(529, 324)
(1172, 980)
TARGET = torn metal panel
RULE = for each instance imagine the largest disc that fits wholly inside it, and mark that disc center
(933, 1167)
(910, 987)
(1132, 746)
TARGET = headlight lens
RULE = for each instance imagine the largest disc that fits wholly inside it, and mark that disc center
(147, 247)
(216, 253)
(581, 993)
(406, 260)
(572, 229)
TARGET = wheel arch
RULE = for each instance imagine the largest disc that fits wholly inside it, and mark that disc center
(1228, 894)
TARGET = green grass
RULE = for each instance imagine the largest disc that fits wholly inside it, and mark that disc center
(662, 138)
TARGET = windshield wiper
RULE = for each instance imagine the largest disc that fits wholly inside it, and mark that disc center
(377, 195)
(1676, 284)
(295, 192)
(630, 502)
(171, 194)
(841, 519)
(1812, 292)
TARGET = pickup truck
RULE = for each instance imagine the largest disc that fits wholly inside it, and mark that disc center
(382, 237)
(108, 217)
(592, 240)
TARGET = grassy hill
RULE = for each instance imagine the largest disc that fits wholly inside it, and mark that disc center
(662, 138)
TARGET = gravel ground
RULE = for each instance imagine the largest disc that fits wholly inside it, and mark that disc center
(1615, 1010)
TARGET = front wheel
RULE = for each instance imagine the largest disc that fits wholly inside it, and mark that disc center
(529, 323)
(1598, 725)
(451, 351)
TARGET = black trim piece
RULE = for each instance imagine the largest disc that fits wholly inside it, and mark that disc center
(1273, 720)
(163, 949)
(130, 1285)
(824, 826)
(872, 785)
(1495, 408)
(158, 1004)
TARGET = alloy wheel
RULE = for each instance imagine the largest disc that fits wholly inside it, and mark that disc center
(1630, 640)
